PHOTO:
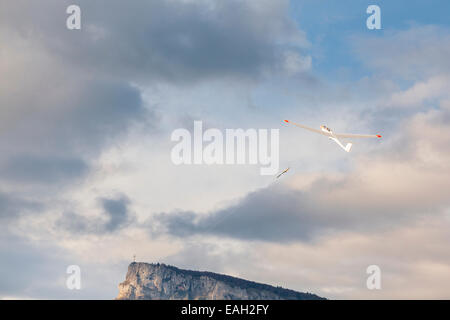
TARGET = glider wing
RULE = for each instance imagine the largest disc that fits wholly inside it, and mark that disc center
(350, 135)
(305, 127)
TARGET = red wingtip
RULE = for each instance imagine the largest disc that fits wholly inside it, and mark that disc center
(379, 136)
(286, 121)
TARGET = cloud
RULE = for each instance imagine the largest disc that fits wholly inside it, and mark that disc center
(404, 181)
(69, 94)
(55, 119)
(427, 91)
(271, 214)
(80, 117)
(413, 54)
(115, 215)
(175, 41)
(295, 63)
(12, 206)
(117, 210)
(28, 169)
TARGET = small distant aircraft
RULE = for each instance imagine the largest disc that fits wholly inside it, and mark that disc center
(283, 173)
(324, 130)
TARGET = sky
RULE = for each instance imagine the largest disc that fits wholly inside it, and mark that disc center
(86, 117)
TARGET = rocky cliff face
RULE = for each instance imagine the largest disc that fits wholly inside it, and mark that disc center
(146, 281)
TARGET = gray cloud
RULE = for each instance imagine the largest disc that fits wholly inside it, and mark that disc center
(68, 93)
(28, 168)
(81, 118)
(280, 215)
(55, 141)
(115, 215)
(177, 41)
(12, 206)
(56, 118)
(117, 210)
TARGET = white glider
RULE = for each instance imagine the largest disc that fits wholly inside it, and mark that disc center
(324, 130)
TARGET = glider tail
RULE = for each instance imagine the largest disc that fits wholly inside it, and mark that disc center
(348, 147)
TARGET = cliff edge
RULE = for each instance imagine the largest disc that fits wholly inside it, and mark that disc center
(148, 281)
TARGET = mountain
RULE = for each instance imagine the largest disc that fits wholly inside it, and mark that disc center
(148, 281)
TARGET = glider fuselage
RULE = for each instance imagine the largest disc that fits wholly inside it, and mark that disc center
(328, 132)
